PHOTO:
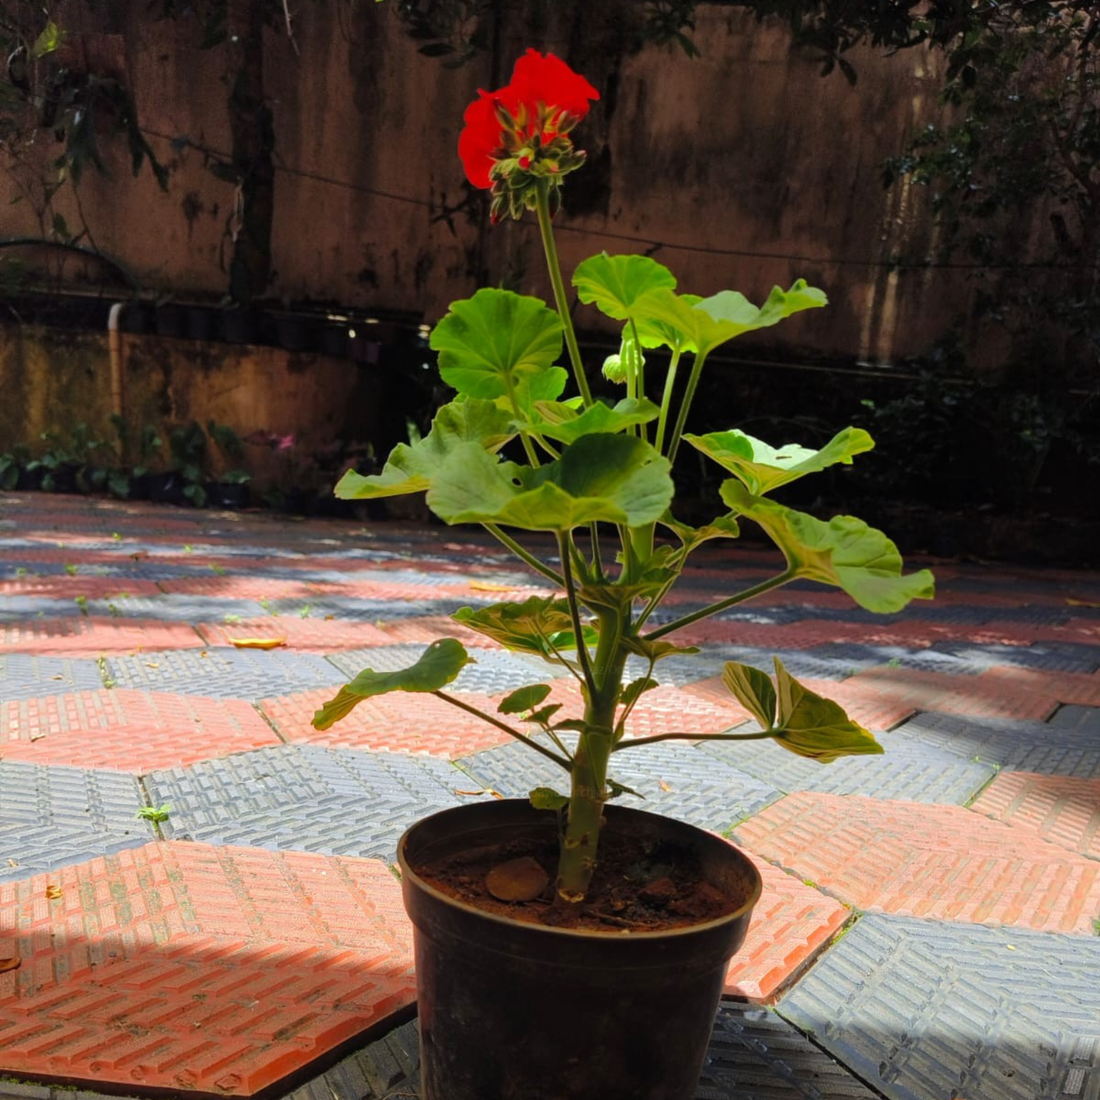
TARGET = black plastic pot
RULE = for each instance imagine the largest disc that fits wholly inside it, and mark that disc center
(517, 1011)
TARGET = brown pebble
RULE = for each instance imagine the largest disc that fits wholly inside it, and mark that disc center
(522, 879)
(658, 892)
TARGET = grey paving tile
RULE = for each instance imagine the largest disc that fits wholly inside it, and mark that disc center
(673, 778)
(51, 816)
(494, 671)
(1080, 718)
(1051, 657)
(1040, 747)
(224, 672)
(909, 771)
(754, 1054)
(680, 670)
(922, 1009)
(25, 676)
(306, 797)
(177, 607)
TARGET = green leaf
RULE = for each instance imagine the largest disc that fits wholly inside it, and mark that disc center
(565, 424)
(616, 790)
(655, 650)
(524, 699)
(542, 716)
(48, 41)
(763, 468)
(497, 342)
(546, 798)
(438, 665)
(526, 627)
(704, 324)
(753, 690)
(602, 477)
(634, 690)
(722, 527)
(410, 469)
(845, 552)
(816, 727)
(615, 283)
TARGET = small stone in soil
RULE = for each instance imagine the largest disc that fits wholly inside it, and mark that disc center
(658, 892)
(522, 879)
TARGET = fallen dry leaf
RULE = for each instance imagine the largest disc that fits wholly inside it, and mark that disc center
(12, 963)
(53, 892)
(488, 586)
(257, 643)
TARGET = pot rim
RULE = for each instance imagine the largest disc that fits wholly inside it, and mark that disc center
(620, 936)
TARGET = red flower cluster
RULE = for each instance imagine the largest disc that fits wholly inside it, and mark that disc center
(525, 124)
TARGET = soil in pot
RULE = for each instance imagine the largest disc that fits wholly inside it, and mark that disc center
(643, 884)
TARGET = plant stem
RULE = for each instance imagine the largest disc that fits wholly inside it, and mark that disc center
(588, 791)
(681, 417)
(689, 737)
(550, 755)
(721, 605)
(524, 555)
(666, 399)
(542, 207)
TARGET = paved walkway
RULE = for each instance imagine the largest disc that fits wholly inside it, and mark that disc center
(930, 918)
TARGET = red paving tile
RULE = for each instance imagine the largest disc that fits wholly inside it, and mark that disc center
(930, 861)
(1012, 693)
(90, 636)
(250, 588)
(1062, 809)
(419, 724)
(87, 585)
(125, 730)
(315, 635)
(790, 924)
(184, 966)
(662, 710)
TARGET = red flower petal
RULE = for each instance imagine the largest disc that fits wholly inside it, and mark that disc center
(535, 80)
(480, 138)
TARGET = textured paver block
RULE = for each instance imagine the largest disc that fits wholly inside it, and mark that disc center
(493, 671)
(88, 636)
(941, 862)
(124, 730)
(1022, 746)
(307, 634)
(907, 770)
(184, 966)
(241, 673)
(53, 816)
(23, 676)
(920, 1009)
(674, 778)
(398, 722)
(335, 801)
(791, 923)
(755, 1053)
(1062, 809)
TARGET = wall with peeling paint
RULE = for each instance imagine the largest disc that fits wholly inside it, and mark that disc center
(741, 168)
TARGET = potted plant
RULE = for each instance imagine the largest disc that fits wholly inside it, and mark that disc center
(568, 948)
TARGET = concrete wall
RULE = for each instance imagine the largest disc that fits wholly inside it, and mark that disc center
(739, 169)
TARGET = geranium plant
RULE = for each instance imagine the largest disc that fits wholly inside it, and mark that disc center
(583, 470)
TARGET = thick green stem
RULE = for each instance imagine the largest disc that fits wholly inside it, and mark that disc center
(560, 299)
(589, 787)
